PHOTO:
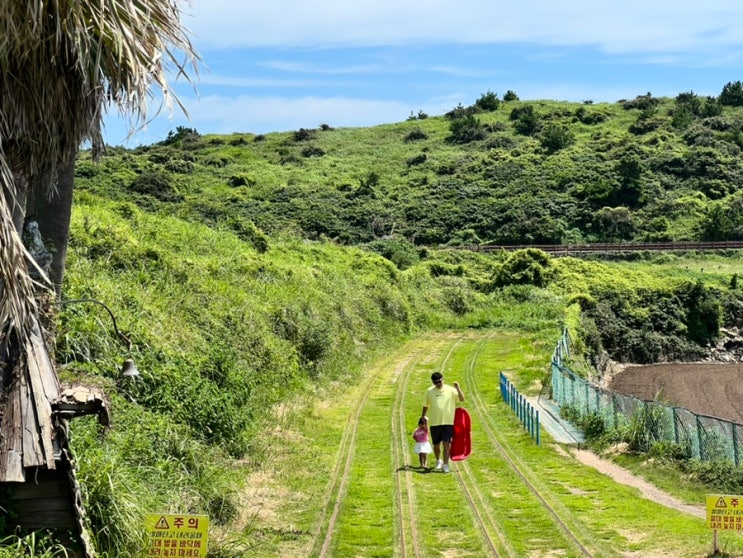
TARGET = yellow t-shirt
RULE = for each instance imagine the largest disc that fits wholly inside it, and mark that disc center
(441, 404)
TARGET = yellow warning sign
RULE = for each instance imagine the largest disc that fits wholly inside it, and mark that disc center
(725, 512)
(181, 536)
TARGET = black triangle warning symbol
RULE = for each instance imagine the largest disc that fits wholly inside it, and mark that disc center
(721, 503)
(162, 523)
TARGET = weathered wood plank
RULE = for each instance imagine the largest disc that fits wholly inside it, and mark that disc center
(44, 390)
(31, 490)
(42, 517)
(29, 428)
(40, 505)
(11, 439)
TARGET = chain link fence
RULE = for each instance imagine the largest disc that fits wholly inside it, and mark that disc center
(698, 436)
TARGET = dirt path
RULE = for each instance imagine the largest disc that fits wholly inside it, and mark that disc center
(623, 476)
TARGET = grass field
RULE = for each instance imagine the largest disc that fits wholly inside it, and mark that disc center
(343, 480)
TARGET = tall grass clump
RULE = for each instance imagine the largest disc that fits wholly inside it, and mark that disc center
(34, 545)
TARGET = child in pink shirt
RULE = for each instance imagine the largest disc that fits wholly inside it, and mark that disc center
(422, 445)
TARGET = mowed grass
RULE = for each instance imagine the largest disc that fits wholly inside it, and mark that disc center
(340, 491)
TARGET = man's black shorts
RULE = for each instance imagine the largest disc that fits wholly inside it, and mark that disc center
(442, 433)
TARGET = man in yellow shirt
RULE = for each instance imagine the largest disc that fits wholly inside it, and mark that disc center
(441, 401)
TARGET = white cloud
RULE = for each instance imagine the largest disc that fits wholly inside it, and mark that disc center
(296, 67)
(616, 27)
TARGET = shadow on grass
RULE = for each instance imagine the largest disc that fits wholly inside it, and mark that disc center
(416, 469)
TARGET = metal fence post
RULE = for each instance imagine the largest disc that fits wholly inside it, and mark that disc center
(699, 437)
(735, 446)
(537, 427)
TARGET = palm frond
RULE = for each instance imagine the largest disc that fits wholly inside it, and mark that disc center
(62, 62)
(18, 307)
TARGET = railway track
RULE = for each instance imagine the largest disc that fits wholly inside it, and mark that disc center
(477, 496)
(612, 247)
(407, 530)
(579, 538)
(508, 501)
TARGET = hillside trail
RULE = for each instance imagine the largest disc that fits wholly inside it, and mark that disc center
(567, 440)
(623, 476)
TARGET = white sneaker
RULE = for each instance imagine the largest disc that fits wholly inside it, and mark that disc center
(445, 468)
(439, 464)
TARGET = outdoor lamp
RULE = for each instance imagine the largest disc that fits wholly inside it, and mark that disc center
(129, 370)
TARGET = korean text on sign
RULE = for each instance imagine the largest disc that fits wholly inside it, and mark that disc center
(179, 536)
(725, 512)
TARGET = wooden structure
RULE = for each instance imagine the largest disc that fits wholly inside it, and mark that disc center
(610, 247)
(36, 465)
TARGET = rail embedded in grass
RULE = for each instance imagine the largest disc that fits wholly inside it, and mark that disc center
(527, 414)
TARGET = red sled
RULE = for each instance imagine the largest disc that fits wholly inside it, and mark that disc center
(461, 443)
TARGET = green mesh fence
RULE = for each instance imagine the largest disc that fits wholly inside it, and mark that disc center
(698, 436)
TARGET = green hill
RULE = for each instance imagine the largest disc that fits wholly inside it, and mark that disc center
(497, 172)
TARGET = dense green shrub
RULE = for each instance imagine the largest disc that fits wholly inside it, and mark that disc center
(157, 184)
(439, 269)
(501, 142)
(646, 123)
(399, 251)
(416, 135)
(180, 166)
(721, 476)
(689, 102)
(466, 129)
(87, 169)
(510, 96)
(712, 107)
(303, 134)
(217, 160)
(589, 117)
(416, 160)
(704, 313)
(526, 120)
(525, 267)
(181, 135)
(237, 180)
(642, 102)
(488, 102)
(732, 94)
(312, 151)
(555, 137)
(460, 111)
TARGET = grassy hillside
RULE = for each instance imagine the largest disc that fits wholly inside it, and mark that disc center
(499, 172)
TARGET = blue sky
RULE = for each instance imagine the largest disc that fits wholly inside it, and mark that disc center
(280, 65)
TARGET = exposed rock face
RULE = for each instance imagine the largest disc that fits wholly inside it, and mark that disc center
(605, 370)
(729, 348)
